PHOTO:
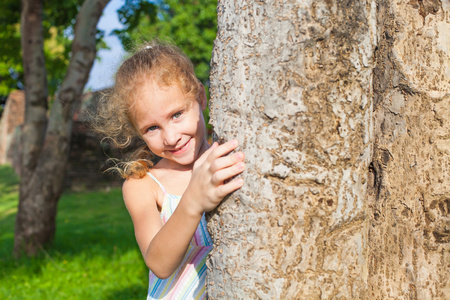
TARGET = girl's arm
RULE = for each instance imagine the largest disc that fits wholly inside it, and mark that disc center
(164, 247)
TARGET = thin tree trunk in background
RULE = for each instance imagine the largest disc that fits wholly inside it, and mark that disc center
(292, 81)
(410, 200)
(36, 83)
(45, 157)
(35, 117)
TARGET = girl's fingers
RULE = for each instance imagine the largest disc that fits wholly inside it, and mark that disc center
(211, 149)
(226, 161)
(206, 154)
(223, 149)
(220, 176)
(230, 187)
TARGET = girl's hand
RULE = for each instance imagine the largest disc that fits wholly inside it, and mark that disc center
(209, 182)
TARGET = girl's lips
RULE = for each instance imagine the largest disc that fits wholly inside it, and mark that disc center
(182, 149)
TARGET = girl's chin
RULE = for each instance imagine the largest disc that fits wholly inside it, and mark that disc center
(185, 160)
(182, 164)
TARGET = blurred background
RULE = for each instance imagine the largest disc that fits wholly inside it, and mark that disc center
(93, 254)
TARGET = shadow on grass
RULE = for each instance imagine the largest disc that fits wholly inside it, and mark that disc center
(128, 293)
(93, 219)
(8, 180)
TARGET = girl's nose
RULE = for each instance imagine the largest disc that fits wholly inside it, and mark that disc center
(171, 137)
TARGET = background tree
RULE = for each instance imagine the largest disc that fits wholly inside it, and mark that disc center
(45, 143)
(341, 108)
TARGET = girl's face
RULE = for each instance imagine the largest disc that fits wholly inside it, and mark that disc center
(171, 123)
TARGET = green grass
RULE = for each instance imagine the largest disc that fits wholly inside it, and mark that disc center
(94, 255)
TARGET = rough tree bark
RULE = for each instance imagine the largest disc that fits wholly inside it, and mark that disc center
(342, 110)
(292, 80)
(46, 143)
(410, 200)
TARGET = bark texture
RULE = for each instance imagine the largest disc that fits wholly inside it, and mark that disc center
(343, 109)
(32, 35)
(409, 198)
(292, 80)
(46, 144)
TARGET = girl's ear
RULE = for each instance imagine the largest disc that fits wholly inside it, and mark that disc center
(202, 96)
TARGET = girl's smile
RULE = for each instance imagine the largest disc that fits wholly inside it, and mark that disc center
(171, 123)
(182, 149)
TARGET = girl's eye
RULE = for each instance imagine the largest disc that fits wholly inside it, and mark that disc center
(152, 128)
(177, 115)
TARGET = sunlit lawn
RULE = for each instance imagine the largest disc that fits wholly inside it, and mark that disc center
(94, 255)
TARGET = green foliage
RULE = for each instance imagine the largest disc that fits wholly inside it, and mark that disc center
(191, 24)
(59, 20)
(94, 255)
(134, 14)
(10, 55)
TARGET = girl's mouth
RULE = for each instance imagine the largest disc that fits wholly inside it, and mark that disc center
(182, 149)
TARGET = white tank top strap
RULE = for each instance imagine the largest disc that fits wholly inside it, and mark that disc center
(159, 183)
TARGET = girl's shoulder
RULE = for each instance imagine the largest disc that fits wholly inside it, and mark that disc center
(141, 197)
(141, 192)
(174, 180)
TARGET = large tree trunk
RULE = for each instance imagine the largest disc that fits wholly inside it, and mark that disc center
(347, 189)
(292, 80)
(46, 146)
(410, 200)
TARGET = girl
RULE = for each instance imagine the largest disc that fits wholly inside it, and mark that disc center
(156, 104)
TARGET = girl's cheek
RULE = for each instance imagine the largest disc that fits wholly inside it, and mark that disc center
(149, 141)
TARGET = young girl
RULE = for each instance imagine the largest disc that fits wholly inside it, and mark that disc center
(156, 105)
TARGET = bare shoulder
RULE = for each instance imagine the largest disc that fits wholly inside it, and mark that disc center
(175, 182)
(140, 191)
(133, 183)
(141, 197)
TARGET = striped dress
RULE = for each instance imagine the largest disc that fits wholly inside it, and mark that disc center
(189, 279)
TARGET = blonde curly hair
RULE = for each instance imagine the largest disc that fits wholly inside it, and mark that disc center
(162, 62)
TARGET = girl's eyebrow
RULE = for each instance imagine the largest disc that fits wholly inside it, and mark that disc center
(178, 109)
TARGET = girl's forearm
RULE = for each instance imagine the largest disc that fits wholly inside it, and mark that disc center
(168, 247)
